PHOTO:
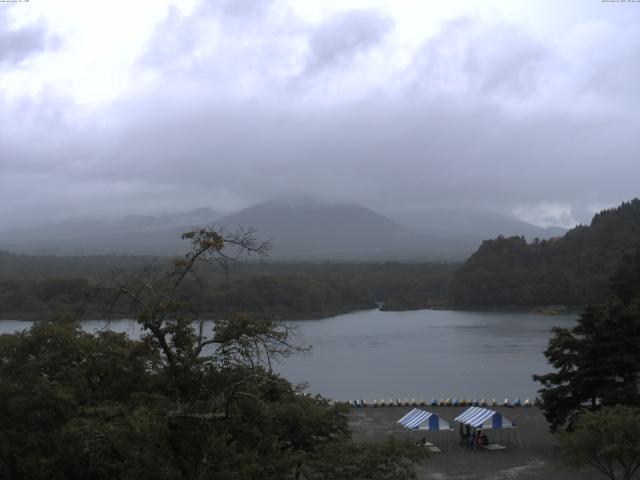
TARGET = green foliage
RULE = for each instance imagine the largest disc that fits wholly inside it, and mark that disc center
(390, 460)
(90, 267)
(572, 270)
(76, 405)
(286, 296)
(74, 402)
(597, 362)
(47, 298)
(279, 291)
(180, 403)
(607, 440)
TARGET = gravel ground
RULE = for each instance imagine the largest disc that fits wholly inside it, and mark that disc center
(530, 453)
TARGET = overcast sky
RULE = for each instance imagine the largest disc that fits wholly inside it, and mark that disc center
(530, 108)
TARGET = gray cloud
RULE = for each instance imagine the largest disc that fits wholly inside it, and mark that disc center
(344, 35)
(484, 114)
(383, 155)
(172, 41)
(492, 62)
(217, 32)
(19, 43)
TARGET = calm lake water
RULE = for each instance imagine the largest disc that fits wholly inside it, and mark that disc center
(424, 354)
(419, 354)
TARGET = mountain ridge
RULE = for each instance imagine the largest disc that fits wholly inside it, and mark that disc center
(301, 228)
(132, 234)
(472, 223)
(573, 270)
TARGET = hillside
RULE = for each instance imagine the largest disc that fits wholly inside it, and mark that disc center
(301, 228)
(571, 270)
(470, 225)
(137, 235)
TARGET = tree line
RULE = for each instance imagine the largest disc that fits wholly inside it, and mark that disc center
(279, 291)
(592, 397)
(179, 403)
(572, 270)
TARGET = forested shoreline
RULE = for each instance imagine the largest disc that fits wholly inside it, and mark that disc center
(548, 276)
(76, 287)
(572, 270)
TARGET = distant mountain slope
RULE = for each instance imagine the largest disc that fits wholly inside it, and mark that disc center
(302, 228)
(471, 225)
(148, 235)
(572, 270)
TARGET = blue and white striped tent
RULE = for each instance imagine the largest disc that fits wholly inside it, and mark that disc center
(483, 418)
(418, 419)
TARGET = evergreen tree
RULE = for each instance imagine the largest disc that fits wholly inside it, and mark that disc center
(597, 362)
(573, 270)
(607, 440)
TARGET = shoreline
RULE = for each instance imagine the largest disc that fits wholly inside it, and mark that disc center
(550, 311)
(532, 457)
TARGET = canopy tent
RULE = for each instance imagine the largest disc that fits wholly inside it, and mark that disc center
(418, 419)
(483, 418)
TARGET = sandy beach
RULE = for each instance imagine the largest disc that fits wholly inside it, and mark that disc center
(530, 453)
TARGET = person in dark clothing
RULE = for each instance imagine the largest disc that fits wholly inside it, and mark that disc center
(465, 434)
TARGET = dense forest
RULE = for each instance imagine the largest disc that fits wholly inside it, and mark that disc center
(174, 404)
(505, 272)
(43, 286)
(597, 362)
(572, 270)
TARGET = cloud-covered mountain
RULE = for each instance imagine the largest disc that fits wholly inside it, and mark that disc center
(299, 228)
(304, 228)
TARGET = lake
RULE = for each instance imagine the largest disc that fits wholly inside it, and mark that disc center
(418, 354)
(424, 354)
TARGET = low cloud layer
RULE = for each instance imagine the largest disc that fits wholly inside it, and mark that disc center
(231, 103)
(19, 43)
